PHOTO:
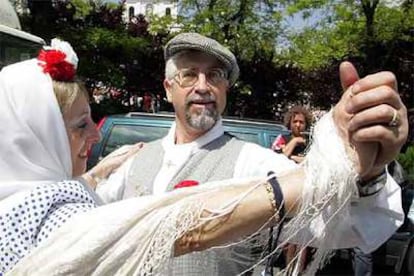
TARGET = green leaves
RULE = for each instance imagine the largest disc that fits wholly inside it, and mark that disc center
(375, 35)
(83, 8)
(406, 160)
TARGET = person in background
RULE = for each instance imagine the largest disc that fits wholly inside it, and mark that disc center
(298, 120)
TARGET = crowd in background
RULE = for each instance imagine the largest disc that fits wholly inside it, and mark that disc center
(132, 101)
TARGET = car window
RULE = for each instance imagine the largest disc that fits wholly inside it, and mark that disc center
(130, 134)
(272, 138)
(120, 131)
(249, 137)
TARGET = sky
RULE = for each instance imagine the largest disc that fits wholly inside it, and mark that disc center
(297, 23)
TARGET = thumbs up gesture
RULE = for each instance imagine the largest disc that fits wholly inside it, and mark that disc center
(371, 119)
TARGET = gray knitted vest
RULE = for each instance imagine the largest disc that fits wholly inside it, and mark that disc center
(214, 161)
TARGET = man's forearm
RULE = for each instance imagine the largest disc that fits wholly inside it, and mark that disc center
(253, 211)
(289, 147)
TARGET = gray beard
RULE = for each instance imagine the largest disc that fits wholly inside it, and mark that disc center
(202, 121)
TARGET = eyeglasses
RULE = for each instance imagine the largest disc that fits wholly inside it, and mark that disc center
(188, 77)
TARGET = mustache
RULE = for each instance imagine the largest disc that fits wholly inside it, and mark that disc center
(200, 98)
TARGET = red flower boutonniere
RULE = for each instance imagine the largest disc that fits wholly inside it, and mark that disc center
(186, 183)
(56, 65)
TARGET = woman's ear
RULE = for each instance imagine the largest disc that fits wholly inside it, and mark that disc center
(168, 86)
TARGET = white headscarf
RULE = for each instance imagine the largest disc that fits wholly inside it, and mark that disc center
(34, 146)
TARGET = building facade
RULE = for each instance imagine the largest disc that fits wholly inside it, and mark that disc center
(150, 7)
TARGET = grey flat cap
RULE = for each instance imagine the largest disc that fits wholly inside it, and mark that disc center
(195, 41)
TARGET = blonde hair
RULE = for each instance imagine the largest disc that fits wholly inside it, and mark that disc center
(67, 92)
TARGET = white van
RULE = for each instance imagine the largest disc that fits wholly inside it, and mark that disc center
(15, 45)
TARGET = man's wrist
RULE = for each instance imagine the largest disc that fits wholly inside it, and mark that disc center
(373, 173)
(373, 185)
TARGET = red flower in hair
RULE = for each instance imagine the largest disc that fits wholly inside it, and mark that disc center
(56, 65)
(186, 183)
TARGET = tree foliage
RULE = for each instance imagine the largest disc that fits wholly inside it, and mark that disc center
(249, 27)
(406, 159)
(373, 35)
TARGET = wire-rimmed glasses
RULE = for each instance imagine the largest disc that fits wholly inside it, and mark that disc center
(188, 77)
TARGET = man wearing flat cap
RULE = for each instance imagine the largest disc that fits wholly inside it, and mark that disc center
(199, 72)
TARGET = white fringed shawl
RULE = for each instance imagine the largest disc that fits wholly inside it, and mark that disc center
(326, 197)
(130, 237)
(136, 236)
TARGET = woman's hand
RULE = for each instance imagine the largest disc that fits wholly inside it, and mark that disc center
(111, 163)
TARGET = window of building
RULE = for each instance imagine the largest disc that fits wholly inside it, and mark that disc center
(168, 11)
(149, 9)
(131, 12)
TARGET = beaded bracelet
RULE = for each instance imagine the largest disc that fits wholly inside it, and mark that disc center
(270, 194)
(276, 196)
